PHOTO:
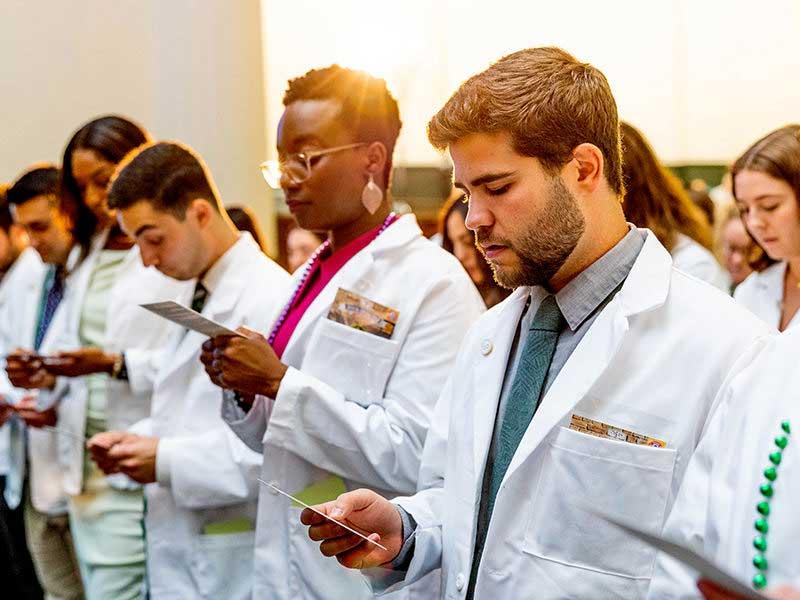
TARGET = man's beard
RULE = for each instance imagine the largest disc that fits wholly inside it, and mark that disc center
(542, 248)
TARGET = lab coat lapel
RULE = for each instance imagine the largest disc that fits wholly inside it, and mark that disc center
(770, 285)
(646, 287)
(31, 302)
(491, 362)
(118, 297)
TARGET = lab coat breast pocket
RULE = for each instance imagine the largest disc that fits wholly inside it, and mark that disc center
(611, 476)
(353, 362)
(222, 565)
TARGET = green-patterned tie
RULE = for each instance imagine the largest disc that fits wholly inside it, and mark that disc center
(522, 402)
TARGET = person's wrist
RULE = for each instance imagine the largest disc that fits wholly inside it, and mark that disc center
(112, 364)
(274, 383)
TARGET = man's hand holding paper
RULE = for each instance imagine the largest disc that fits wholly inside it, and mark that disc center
(363, 510)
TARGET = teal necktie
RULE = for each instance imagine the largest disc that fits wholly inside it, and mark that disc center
(523, 400)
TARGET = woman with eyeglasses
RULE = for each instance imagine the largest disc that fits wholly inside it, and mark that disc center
(340, 393)
(735, 245)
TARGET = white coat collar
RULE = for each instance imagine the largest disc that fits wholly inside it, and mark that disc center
(771, 279)
(397, 235)
(227, 281)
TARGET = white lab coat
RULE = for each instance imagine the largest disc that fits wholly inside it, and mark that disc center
(205, 474)
(762, 294)
(20, 304)
(652, 362)
(26, 266)
(354, 404)
(128, 327)
(690, 257)
(716, 508)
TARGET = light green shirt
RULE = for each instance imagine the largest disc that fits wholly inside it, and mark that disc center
(92, 332)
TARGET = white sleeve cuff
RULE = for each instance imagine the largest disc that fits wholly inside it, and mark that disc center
(164, 462)
(291, 385)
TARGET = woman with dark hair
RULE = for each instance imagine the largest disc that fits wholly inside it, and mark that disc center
(89, 161)
(766, 185)
(100, 315)
(655, 199)
(245, 219)
(460, 242)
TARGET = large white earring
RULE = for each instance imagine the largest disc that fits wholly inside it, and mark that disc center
(372, 196)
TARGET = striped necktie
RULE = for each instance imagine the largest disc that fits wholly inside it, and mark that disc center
(199, 297)
(53, 294)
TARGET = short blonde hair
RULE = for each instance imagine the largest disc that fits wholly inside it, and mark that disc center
(547, 100)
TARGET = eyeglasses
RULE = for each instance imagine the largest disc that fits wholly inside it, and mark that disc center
(297, 167)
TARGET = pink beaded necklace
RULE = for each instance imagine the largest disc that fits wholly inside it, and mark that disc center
(312, 265)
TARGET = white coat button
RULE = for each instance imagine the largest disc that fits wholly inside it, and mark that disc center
(273, 491)
(460, 581)
(486, 347)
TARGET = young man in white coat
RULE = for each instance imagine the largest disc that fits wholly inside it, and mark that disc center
(365, 341)
(202, 480)
(30, 297)
(589, 385)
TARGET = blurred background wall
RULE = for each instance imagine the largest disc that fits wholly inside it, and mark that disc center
(701, 79)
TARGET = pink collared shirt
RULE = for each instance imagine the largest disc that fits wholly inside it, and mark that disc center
(324, 270)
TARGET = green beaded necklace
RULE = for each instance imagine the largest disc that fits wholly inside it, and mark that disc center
(763, 507)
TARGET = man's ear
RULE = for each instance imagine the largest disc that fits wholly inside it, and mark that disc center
(201, 211)
(587, 166)
(18, 235)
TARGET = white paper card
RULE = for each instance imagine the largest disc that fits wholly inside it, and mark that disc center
(188, 318)
(705, 568)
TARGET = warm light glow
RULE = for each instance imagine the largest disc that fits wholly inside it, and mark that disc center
(701, 79)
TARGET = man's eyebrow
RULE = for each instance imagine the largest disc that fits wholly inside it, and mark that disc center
(483, 179)
(142, 229)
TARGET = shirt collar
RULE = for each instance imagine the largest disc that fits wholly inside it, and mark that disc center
(211, 280)
(592, 286)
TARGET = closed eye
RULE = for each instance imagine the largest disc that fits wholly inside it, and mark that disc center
(498, 191)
